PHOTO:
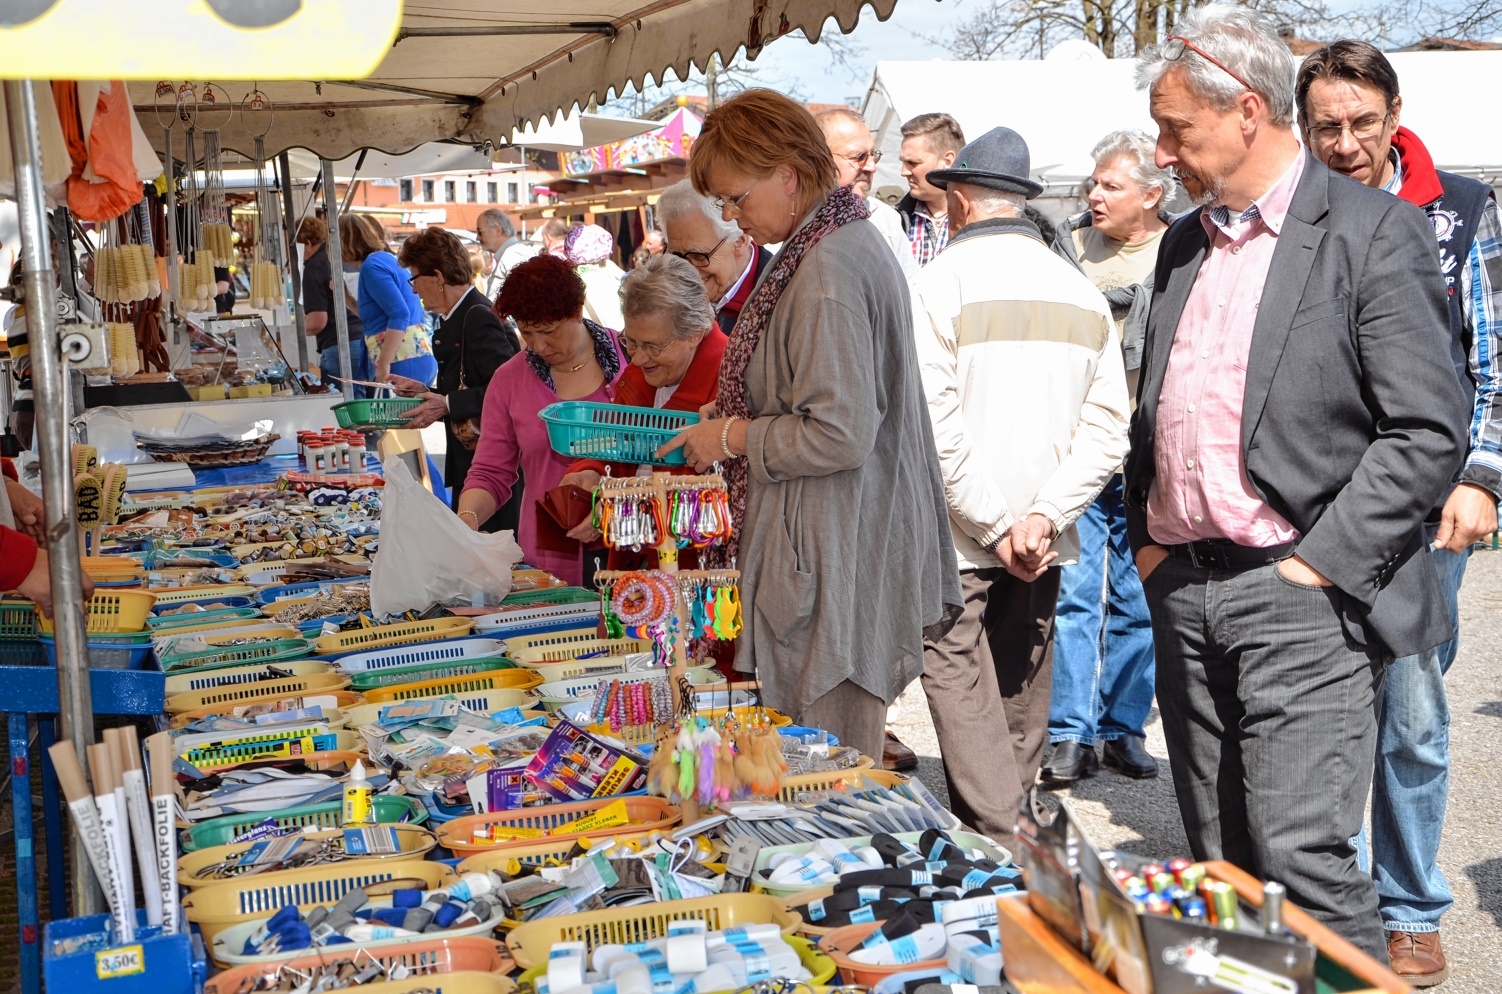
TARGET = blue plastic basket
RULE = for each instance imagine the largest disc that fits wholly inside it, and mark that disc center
(294, 591)
(613, 432)
(82, 954)
(107, 654)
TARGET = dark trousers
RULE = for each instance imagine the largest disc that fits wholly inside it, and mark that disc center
(988, 684)
(1266, 692)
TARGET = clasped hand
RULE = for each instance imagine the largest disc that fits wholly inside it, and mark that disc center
(1024, 549)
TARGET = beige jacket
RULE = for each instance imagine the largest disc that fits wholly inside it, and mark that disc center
(1022, 367)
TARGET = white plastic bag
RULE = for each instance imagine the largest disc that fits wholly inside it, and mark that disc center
(428, 556)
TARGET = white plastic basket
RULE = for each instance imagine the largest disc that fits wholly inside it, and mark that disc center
(584, 614)
(413, 655)
(560, 692)
(481, 701)
(182, 683)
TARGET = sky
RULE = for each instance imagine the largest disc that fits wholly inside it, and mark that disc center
(809, 68)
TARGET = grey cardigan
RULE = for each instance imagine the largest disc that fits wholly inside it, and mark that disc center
(845, 551)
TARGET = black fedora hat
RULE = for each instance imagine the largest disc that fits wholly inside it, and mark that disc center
(997, 159)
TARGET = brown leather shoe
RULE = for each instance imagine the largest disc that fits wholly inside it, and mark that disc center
(1417, 958)
(896, 757)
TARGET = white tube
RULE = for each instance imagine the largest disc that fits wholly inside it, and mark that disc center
(143, 834)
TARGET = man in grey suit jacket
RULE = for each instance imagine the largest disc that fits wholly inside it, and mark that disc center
(1298, 415)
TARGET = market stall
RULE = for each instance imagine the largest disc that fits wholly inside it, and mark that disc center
(373, 744)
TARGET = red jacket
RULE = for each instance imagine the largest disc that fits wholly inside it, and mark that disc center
(699, 386)
(18, 553)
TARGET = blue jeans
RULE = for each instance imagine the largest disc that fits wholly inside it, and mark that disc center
(1412, 779)
(359, 365)
(1103, 636)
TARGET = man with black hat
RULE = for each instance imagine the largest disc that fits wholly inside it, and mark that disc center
(1027, 391)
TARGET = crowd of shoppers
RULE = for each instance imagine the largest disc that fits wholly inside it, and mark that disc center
(1232, 459)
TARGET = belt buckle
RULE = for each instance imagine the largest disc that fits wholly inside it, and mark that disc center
(1213, 558)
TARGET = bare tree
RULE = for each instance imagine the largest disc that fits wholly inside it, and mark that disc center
(1122, 28)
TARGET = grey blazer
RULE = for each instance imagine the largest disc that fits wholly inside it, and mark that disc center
(1353, 420)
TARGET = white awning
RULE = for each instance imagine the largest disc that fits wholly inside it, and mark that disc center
(478, 70)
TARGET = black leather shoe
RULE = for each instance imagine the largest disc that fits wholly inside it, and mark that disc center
(1069, 761)
(1127, 756)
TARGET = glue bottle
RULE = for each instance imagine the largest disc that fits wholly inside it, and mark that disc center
(358, 809)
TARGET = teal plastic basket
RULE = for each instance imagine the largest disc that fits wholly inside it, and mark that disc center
(164, 625)
(371, 679)
(553, 595)
(18, 621)
(263, 652)
(375, 412)
(388, 809)
(614, 433)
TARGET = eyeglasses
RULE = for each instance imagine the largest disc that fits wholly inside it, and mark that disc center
(734, 203)
(700, 260)
(652, 350)
(1368, 129)
(1173, 50)
(859, 161)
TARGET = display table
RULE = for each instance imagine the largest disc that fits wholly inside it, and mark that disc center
(1039, 961)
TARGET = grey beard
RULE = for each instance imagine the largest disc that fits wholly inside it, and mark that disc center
(1212, 192)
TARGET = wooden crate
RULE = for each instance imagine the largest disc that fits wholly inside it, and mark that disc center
(1039, 961)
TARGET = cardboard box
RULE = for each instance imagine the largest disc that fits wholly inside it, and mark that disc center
(212, 391)
(250, 390)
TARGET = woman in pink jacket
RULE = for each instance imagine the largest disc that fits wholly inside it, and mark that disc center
(567, 357)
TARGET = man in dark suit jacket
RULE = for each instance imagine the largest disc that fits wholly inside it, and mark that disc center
(1298, 416)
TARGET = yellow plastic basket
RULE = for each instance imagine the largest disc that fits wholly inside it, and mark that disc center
(344, 700)
(562, 647)
(242, 748)
(111, 611)
(208, 867)
(482, 701)
(398, 634)
(531, 942)
(433, 963)
(458, 685)
(183, 683)
(217, 906)
(540, 852)
(646, 814)
(259, 690)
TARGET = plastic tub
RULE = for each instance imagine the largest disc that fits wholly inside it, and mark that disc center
(375, 412)
(260, 690)
(457, 685)
(106, 655)
(343, 700)
(645, 813)
(372, 679)
(183, 683)
(421, 960)
(380, 636)
(113, 611)
(412, 655)
(843, 941)
(414, 842)
(614, 432)
(389, 809)
(531, 942)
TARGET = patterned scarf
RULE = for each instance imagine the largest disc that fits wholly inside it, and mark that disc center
(606, 354)
(839, 208)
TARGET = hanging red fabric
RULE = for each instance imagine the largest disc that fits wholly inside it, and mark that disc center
(107, 150)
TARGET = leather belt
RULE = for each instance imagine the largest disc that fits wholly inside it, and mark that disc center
(1219, 553)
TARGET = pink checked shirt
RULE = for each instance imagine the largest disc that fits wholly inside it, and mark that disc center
(1201, 490)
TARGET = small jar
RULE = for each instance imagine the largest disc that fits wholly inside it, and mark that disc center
(317, 458)
(356, 452)
(339, 461)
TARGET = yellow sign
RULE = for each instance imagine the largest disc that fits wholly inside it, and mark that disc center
(196, 39)
(121, 962)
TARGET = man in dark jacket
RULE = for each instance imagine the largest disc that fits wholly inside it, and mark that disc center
(1349, 106)
(1298, 417)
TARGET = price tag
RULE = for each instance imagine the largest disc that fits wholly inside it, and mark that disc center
(121, 962)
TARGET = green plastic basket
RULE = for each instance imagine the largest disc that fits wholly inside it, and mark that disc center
(370, 679)
(388, 809)
(375, 412)
(239, 655)
(614, 432)
(18, 621)
(166, 623)
(555, 595)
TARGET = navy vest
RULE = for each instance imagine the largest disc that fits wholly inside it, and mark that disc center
(1455, 216)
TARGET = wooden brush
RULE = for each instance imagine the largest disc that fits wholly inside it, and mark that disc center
(87, 493)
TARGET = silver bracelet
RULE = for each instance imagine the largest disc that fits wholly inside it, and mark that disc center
(725, 436)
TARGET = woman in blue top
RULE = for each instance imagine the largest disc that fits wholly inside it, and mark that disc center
(396, 334)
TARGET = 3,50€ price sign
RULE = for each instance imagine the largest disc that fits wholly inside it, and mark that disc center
(121, 962)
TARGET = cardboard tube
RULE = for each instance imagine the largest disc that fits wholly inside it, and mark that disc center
(159, 747)
(113, 742)
(101, 764)
(85, 815)
(142, 831)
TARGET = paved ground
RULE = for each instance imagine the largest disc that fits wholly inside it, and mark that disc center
(1142, 817)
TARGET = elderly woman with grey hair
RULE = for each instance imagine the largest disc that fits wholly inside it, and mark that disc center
(675, 349)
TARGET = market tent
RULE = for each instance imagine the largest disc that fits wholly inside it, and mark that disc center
(1063, 105)
(475, 70)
